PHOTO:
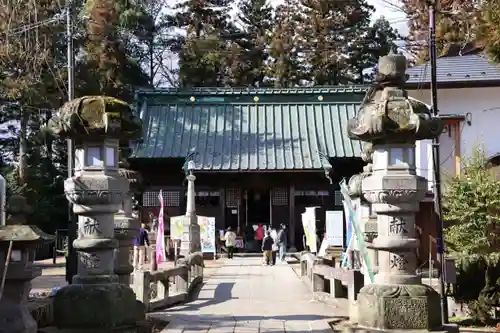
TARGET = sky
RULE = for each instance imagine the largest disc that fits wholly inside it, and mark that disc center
(393, 15)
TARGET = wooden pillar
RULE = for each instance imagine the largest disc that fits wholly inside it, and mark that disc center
(239, 203)
(182, 198)
(458, 153)
(291, 207)
(222, 202)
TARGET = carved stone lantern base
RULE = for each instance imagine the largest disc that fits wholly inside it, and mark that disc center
(95, 306)
(348, 327)
(394, 307)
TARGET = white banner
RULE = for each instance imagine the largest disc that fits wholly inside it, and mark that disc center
(309, 225)
(160, 236)
(207, 233)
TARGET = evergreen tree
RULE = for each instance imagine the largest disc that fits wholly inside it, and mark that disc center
(249, 55)
(32, 75)
(455, 24)
(155, 43)
(30, 82)
(332, 34)
(109, 67)
(363, 53)
(283, 68)
(204, 51)
(203, 61)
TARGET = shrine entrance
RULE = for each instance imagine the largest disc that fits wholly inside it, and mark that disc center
(257, 207)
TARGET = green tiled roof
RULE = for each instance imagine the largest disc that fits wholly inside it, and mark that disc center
(249, 129)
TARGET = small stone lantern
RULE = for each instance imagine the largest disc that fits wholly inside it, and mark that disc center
(14, 316)
(191, 243)
(96, 301)
(126, 225)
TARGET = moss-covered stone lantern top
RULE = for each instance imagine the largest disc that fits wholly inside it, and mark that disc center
(387, 115)
(17, 228)
(96, 117)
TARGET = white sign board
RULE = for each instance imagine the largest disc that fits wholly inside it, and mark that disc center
(334, 223)
(207, 234)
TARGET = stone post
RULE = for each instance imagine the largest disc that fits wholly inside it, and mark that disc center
(392, 123)
(126, 225)
(95, 301)
(192, 243)
(14, 316)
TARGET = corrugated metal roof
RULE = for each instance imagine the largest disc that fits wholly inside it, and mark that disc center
(466, 68)
(241, 134)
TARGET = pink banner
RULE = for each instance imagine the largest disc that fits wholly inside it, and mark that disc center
(160, 234)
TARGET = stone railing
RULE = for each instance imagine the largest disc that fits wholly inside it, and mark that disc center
(306, 267)
(164, 288)
(330, 284)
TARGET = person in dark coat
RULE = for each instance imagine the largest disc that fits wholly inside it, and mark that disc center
(140, 244)
(267, 248)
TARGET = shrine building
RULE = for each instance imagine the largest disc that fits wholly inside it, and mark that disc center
(261, 154)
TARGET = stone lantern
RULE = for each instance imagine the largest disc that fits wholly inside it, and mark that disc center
(191, 242)
(126, 225)
(14, 316)
(96, 301)
(392, 123)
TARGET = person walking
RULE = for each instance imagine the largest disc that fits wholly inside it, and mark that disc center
(140, 243)
(230, 239)
(267, 248)
(259, 234)
(282, 242)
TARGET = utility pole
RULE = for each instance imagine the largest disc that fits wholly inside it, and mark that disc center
(71, 260)
(436, 161)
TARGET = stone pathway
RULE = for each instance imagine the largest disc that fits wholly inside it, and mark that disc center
(246, 296)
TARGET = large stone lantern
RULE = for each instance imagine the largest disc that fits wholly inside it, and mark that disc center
(96, 301)
(392, 122)
(22, 239)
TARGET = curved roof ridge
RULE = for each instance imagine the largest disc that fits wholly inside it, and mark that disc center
(221, 91)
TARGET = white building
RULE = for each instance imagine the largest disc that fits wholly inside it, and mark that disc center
(469, 101)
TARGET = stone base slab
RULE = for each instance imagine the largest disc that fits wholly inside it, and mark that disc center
(16, 319)
(347, 327)
(96, 307)
(399, 307)
(125, 329)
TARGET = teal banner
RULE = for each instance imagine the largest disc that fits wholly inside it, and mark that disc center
(357, 231)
